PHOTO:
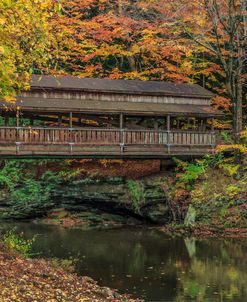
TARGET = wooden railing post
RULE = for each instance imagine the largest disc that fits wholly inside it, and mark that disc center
(70, 119)
(17, 130)
(121, 125)
(168, 126)
(213, 143)
(71, 142)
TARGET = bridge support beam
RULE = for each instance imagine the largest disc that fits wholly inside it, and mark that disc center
(121, 126)
(71, 120)
(168, 126)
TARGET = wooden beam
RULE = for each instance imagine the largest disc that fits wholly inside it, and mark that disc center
(156, 125)
(121, 126)
(55, 120)
(168, 122)
(121, 121)
(101, 120)
(168, 126)
(71, 120)
(17, 117)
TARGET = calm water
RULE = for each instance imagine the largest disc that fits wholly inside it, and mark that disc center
(149, 264)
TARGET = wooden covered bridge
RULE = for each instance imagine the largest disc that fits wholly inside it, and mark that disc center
(76, 117)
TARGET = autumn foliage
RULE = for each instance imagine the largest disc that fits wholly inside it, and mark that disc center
(25, 43)
(155, 40)
(179, 41)
(121, 39)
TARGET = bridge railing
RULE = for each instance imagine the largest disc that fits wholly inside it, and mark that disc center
(95, 136)
(152, 137)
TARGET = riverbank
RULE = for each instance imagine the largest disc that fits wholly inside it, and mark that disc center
(67, 220)
(38, 280)
(173, 230)
(203, 231)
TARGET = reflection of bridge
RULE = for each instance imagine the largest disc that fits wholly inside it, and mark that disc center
(108, 118)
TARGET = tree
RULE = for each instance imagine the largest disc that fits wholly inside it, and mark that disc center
(220, 27)
(25, 40)
(177, 40)
(121, 39)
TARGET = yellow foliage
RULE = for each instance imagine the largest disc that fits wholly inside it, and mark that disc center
(25, 41)
(232, 190)
(244, 134)
(231, 169)
(241, 147)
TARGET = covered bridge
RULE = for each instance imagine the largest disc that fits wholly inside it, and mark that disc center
(85, 117)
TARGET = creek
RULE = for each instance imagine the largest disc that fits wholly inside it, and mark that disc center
(147, 263)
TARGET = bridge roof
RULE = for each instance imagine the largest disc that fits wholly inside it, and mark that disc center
(119, 86)
(102, 96)
(39, 104)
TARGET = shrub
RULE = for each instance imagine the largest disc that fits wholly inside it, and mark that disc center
(16, 243)
(187, 172)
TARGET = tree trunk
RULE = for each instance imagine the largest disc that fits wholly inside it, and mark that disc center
(239, 108)
(132, 63)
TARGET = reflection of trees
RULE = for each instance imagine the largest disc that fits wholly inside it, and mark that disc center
(222, 276)
(138, 258)
(190, 244)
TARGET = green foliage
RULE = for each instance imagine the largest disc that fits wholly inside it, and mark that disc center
(136, 190)
(226, 137)
(189, 172)
(16, 243)
(211, 188)
(192, 172)
(213, 160)
(9, 174)
(20, 181)
(30, 191)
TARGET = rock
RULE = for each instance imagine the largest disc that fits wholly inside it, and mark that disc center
(98, 201)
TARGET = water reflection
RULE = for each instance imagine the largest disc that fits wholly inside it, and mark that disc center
(150, 264)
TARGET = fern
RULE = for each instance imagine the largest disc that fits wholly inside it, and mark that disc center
(137, 195)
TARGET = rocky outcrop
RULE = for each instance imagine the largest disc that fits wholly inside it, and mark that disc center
(143, 200)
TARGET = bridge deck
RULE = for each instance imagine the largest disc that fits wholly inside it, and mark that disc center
(95, 142)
